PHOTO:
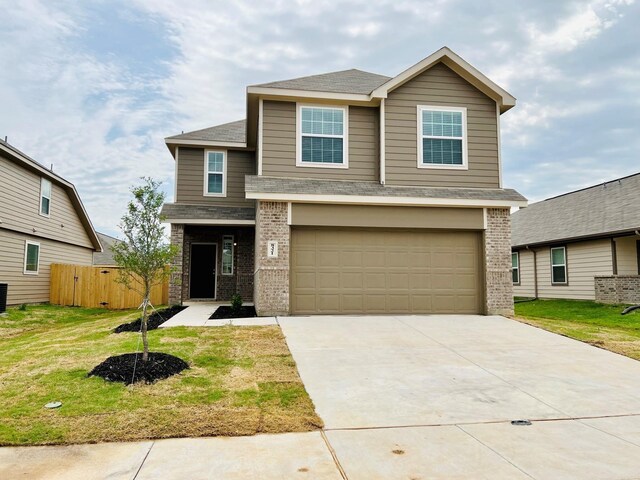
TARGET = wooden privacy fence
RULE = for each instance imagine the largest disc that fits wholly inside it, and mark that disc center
(96, 287)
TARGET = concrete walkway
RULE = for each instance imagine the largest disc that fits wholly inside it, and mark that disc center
(424, 397)
(197, 315)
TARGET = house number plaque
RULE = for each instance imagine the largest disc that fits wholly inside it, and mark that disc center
(272, 249)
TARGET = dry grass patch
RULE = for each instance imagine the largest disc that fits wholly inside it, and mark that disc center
(241, 381)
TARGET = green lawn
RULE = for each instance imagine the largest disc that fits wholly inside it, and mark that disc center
(588, 321)
(242, 381)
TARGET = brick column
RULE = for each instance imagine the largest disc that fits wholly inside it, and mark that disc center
(497, 254)
(271, 280)
(175, 281)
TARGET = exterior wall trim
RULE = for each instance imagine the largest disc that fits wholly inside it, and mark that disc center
(208, 221)
(376, 200)
(260, 134)
(205, 143)
(383, 143)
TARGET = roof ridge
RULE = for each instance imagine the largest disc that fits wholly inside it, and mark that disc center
(319, 75)
(602, 184)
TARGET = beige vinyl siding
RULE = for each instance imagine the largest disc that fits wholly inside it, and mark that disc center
(526, 288)
(627, 255)
(279, 144)
(440, 86)
(20, 207)
(190, 177)
(27, 288)
(584, 261)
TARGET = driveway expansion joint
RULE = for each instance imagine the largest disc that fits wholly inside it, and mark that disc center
(143, 460)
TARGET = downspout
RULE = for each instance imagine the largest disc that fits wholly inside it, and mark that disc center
(535, 272)
(382, 143)
(614, 257)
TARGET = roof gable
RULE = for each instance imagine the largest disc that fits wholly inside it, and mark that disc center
(603, 209)
(456, 63)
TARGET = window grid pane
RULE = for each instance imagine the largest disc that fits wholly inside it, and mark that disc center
(44, 205)
(46, 188)
(441, 124)
(441, 151)
(559, 274)
(215, 162)
(322, 121)
(214, 183)
(322, 150)
(557, 256)
(514, 275)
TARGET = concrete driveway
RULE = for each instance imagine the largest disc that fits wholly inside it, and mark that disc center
(433, 397)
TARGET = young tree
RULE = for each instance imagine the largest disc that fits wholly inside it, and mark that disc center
(145, 253)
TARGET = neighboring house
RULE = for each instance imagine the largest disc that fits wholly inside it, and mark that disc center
(42, 221)
(105, 257)
(349, 193)
(581, 245)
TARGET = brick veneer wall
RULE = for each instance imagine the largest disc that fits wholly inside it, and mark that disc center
(618, 289)
(271, 280)
(175, 280)
(497, 252)
(226, 285)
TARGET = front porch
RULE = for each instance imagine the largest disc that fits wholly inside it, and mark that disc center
(215, 263)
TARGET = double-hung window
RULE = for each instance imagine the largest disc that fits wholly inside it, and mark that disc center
(559, 266)
(45, 197)
(442, 138)
(31, 257)
(515, 267)
(322, 136)
(215, 168)
(227, 255)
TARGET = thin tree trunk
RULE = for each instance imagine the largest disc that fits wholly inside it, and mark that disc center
(145, 318)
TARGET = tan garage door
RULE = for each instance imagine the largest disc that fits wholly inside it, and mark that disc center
(385, 271)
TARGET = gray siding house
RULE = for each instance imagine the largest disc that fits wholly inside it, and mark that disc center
(350, 192)
(42, 221)
(580, 245)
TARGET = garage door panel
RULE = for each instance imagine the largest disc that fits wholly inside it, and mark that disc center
(385, 271)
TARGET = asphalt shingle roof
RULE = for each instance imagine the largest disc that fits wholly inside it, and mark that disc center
(227, 132)
(346, 81)
(599, 210)
(206, 212)
(106, 256)
(262, 184)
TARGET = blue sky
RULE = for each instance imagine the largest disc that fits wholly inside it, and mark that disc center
(94, 87)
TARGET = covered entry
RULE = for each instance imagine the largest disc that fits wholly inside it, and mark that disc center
(374, 270)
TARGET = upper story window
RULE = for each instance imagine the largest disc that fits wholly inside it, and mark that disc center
(322, 136)
(515, 267)
(559, 266)
(215, 173)
(442, 140)
(31, 257)
(45, 197)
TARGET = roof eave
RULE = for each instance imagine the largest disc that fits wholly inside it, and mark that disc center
(579, 238)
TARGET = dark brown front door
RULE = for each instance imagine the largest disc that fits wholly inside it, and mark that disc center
(203, 270)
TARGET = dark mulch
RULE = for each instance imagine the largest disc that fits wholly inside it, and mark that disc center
(226, 311)
(121, 368)
(155, 320)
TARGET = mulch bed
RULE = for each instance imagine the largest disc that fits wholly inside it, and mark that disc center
(120, 368)
(226, 311)
(155, 320)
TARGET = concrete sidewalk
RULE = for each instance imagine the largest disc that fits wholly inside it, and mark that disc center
(197, 315)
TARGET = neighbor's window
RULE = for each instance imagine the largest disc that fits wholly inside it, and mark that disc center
(515, 267)
(441, 139)
(322, 139)
(31, 257)
(45, 197)
(214, 181)
(559, 265)
(227, 255)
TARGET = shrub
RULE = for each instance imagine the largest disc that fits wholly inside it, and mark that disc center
(236, 302)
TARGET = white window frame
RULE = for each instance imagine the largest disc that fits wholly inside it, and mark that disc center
(517, 267)
(226, 237)
(344, 136)
(465, 159)
(42, 195)
(26, 249)
(206, 174)
(566, 272)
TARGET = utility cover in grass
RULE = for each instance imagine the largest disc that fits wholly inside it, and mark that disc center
(226, 311)
(121, 368)
(155, 320)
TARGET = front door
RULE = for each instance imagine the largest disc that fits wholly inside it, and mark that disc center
(203, 270)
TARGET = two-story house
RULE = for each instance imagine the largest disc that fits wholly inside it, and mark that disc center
(350, 193)
(42, 221)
